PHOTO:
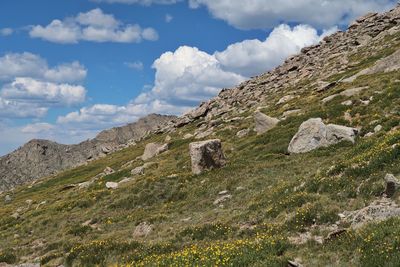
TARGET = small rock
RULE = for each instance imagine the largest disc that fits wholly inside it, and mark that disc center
(201, 135)
(378, 128)
(329, 98)
(222, 199)
(125, 180)
(187, 136)
(138, 171)
(142, 230)
(7, 199)
(263, 122)
(15, 215)
(111, 185)
(369, 134)
(108, 171)
(168, 139)
(223, 192)
(285, 99)
(294, 264)
(243, 133)
(347, 103)
(392, 184)
(153, 149)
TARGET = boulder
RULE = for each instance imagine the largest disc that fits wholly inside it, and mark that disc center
(314, 134)
(7, 199)
(153, 149)
(206, 155)
(111, 185)
(263, 122)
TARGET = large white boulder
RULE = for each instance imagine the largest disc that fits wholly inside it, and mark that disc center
(206, 155)
(314, 134)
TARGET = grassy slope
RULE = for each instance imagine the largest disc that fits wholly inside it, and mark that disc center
(279, 195)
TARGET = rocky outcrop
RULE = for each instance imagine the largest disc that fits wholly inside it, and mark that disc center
(206, 155)
(41, 158)
(314, 134)
(263, 122)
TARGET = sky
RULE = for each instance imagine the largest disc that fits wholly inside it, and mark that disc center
(71, 68)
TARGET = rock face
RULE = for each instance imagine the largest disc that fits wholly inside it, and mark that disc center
(41, 158)
(263, 122)
(206, 155)
(153, 149)
(314, 134)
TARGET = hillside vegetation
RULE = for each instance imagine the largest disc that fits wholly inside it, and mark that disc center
(277, 207)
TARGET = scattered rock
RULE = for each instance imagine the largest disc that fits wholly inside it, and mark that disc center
(335, 234)
(314, 134)
(188, 136)
(329, 98)
(353, 91)
(108, 171)
(303, 238)
(111, 185)
(263, 122)
(223, 192)
(15, 215)
(291, 112)
(377, 211)
(138, 171)
(7, 199)
(392, 184)
(222, 199)
(201, 134)
(243, 133)
(168, 139)
(85, 185)
(347, 103)
(142, 230)
(294, 264)
(378, 128)
(285, 99)
(206, 155)
(153, 149)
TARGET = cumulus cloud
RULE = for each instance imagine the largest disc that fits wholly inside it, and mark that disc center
(94, 26)
(29, 87)
(261, 14)
(252, 57)
(36, 128)
(30, 65)
(44, 93)
(6, 31)
(140, 2)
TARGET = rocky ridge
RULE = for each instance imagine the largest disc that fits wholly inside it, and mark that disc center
(41, 158)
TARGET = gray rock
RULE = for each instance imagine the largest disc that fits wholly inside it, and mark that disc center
(153, 149)
(314, 134)
(7, 199)
(378, 128)
(329, 98)
(392, 184)
(206, 155)
(108, 171)
(285, 99)
(243, 133)
(201, 134)
(263, 122)
(222, 199)
(138, 171)
(111, 185)
(347, 103)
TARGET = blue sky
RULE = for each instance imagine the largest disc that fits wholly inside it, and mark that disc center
(70, 68)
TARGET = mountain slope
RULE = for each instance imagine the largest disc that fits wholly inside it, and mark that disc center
(266, 206)
(41, 158)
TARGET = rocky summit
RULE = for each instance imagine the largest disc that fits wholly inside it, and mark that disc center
(299, 166)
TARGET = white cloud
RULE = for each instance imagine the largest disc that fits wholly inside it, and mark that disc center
(94, 26)
(26, 90)
(261, 14)
(168, 18)
(6, 31)
(188, 75)
(30, 65)
(140, 2)
(137, 65)
(252, 57)
(38, 127)
(15, 109)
